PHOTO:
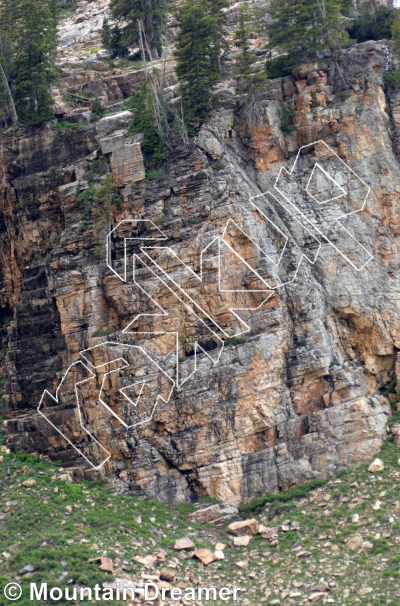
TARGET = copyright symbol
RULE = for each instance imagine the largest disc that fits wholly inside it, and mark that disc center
(13, 591)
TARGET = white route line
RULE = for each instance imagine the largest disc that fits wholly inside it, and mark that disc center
(56, 399)
(303, 255)
(218, 240)
(108, 243)
(126, 365)
(317, 165)
(337, 220)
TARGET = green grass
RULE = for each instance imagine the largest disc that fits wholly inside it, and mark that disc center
(37, 528)
(102, 332)
(64, 125)
(281, 497)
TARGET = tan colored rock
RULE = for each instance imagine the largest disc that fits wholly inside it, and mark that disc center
(219, 554)
(242, 541)
(395, 431)
(323, 586)
(355, 542)
(29, 482)
(106, 565)
(168, 574)
(148, 561)
(184, 544)
(242, 564)
(244, 527)
(316, 597)
(220, 546)
(127, 164)
(204, 515)
(270, 533)
(365, 590)
(231, 464)
(376, 466)
(205, 556)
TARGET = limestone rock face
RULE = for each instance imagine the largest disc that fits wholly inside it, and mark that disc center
(288, 388)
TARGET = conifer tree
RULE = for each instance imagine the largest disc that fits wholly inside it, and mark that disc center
(199, 43)
(125, 33)
(220, 42)
(306, 28)
(395, 29)
(30, 27)
(250, 79)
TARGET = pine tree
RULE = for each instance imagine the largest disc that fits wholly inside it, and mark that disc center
(125, 33)
(395, 30)
(250, 80)
(198, 49)
(31, 30)
(220, 41)
(306, 28)
(144, 121)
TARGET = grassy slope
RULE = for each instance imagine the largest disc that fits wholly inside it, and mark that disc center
(36, 528)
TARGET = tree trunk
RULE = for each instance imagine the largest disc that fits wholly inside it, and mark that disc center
(154, 53)
(14, 111)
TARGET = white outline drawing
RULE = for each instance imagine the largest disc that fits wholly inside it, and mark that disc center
(126, 365)
(56, 399)
(183, 297)
(317, 165)
(337, 219)
(108, 243)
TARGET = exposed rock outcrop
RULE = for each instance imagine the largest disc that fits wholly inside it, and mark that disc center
(296, 397)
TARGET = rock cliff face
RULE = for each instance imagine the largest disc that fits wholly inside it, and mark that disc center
(285, 321)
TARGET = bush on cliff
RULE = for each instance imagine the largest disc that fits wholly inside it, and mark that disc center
(149, 119)
(373, 26)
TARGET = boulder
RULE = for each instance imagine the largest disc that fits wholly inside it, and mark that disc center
(106, 565)
(168, 574)
(114, 141)
(29, 482)
(249, 527)
(148, 561)
(127, 164)
(206, 556)
(114, 122)
(355, 542)
(395, 431)
(184, 544)
(376, 465)
(242, 541)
